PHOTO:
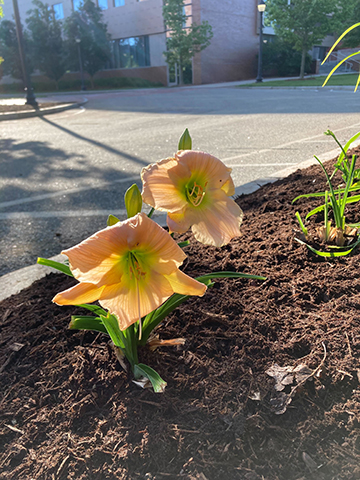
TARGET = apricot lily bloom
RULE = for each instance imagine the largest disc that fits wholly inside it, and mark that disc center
(194, 188)
(131, 268)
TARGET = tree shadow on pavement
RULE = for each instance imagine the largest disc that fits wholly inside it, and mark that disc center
(97, 143)
(51, 199)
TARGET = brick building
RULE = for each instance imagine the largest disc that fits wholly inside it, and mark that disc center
(139, 37)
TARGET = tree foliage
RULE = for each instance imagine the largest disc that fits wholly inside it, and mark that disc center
(86, 25)
(9, 49)
(349, 16)
(46, 42)
(303, 23)
(1, 15)
(183, 42)
(280, 58)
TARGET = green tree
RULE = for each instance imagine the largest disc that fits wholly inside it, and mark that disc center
(47, 46)
(1, 15)
(350, 15)
(9, 49)
(86, 26)
(281, 58)
(183, 42)
(303, 23)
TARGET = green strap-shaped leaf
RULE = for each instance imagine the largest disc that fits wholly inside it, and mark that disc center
(329, 254)
(57, 265)
(353, 188)
(112, 327)
(141, 370)
(184, 244)
(302, 226)
(87, 322)
(347, 187)
(315, 211)
(210, 276)
(346, 147)
(335, 206)
(93, 308)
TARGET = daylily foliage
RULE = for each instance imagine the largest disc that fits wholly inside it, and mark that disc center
(342, 237)
(132, 267)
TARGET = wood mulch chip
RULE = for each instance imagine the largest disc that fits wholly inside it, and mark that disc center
(69, 411)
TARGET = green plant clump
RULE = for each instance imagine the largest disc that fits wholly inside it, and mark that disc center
(343, 237)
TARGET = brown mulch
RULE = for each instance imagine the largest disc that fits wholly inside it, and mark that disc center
(24, 108)
(69, 411)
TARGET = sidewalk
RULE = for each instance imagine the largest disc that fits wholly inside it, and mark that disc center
(49, 104)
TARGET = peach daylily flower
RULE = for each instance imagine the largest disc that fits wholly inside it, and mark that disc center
(131, 268)
(194, 188)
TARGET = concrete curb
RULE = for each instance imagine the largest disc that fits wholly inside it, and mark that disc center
(41, 111)
(14, 282)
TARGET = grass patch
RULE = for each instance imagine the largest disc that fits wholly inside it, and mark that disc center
(335, 80)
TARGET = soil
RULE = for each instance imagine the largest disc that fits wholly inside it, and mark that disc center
(69, 411)
(24, 108)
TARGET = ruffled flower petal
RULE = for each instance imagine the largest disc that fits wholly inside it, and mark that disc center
(185, 285)
(94, 260)
(161, 253)
(206, 166)
(79, 294)
(229, 187)
(179, 222)
(129, 301)
(217, 225)
(162, 184)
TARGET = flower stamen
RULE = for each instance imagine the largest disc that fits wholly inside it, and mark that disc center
(197, 194)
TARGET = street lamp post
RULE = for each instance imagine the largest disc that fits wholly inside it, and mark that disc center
(30, 97)
(78, 41)
(261, 8)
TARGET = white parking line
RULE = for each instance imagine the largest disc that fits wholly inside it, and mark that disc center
(120, 213)
(44, 196)
(284, 145)
(260, 164)
(62, 213)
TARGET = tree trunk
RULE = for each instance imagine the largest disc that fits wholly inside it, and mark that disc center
(92, 82)
(303, 57)
(181, 73)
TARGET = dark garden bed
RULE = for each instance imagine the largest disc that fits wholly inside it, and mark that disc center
(69, 411)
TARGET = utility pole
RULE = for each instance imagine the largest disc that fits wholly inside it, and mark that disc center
(30, 97)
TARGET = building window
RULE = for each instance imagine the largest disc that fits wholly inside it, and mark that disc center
(76, 5)
(130, 52)
(119, 3)
(103, 4)
(58, 11)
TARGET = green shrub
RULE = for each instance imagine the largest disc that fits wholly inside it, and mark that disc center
(75, 85)
(280, 58)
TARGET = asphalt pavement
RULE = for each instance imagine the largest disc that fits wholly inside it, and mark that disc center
(61, 175)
